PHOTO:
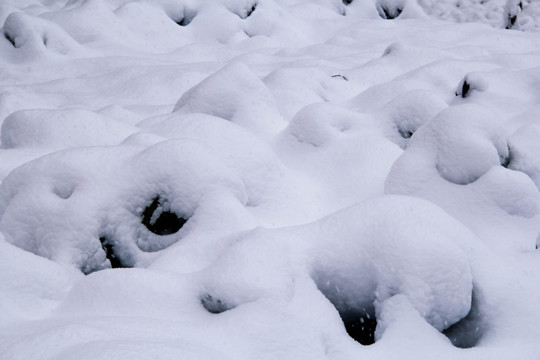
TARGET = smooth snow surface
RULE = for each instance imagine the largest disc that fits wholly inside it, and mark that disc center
(269, 179)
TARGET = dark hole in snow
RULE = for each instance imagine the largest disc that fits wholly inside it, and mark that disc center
(467, 332)
(361, 326)
(159, 220)
(358, 315)
(465, 89)
(347, 2)
(45, 41)
(505, 160)
(108, 246)
(406, 134)
(186, 18)
(388, 13)
(183, 22)
(10, 39)
(510, 22)
(214, 305)
(339, 76)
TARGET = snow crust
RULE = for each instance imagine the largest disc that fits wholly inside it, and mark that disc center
(271, 179)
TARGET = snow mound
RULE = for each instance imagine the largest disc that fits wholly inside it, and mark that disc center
(242, 104)
(61, 129)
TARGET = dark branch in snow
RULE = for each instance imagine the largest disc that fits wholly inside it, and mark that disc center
(340, 77)
(250, 11)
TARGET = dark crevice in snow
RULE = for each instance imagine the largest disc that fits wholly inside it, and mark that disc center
(347, 2)
(405, 133)
(387, 12)
(183, 22)
(510, 21)
(505, 160)
(186, 18)
(512, 15)
(467, 332)
(245, 13)
(358, 317)
(108, 246)
(465, 89)
(159, 219)
(214, 305)
(361, 325)
(10, 39)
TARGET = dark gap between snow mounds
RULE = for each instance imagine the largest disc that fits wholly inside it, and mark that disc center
(388, 11)
(246, 12)
(185, 19)
(467, 332)
(505, 160)
(358, 315)
(159, 219)
(10, 39)
(108, 245)
(360, 320)
(360, 325)
(464, 90)
(470, 82)
(512, 15)
(406, 134)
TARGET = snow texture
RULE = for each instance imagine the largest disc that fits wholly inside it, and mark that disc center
(269, 179)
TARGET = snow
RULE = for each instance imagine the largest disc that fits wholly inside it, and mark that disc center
(269, 179)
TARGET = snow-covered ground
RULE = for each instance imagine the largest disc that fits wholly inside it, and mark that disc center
(269, 179)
